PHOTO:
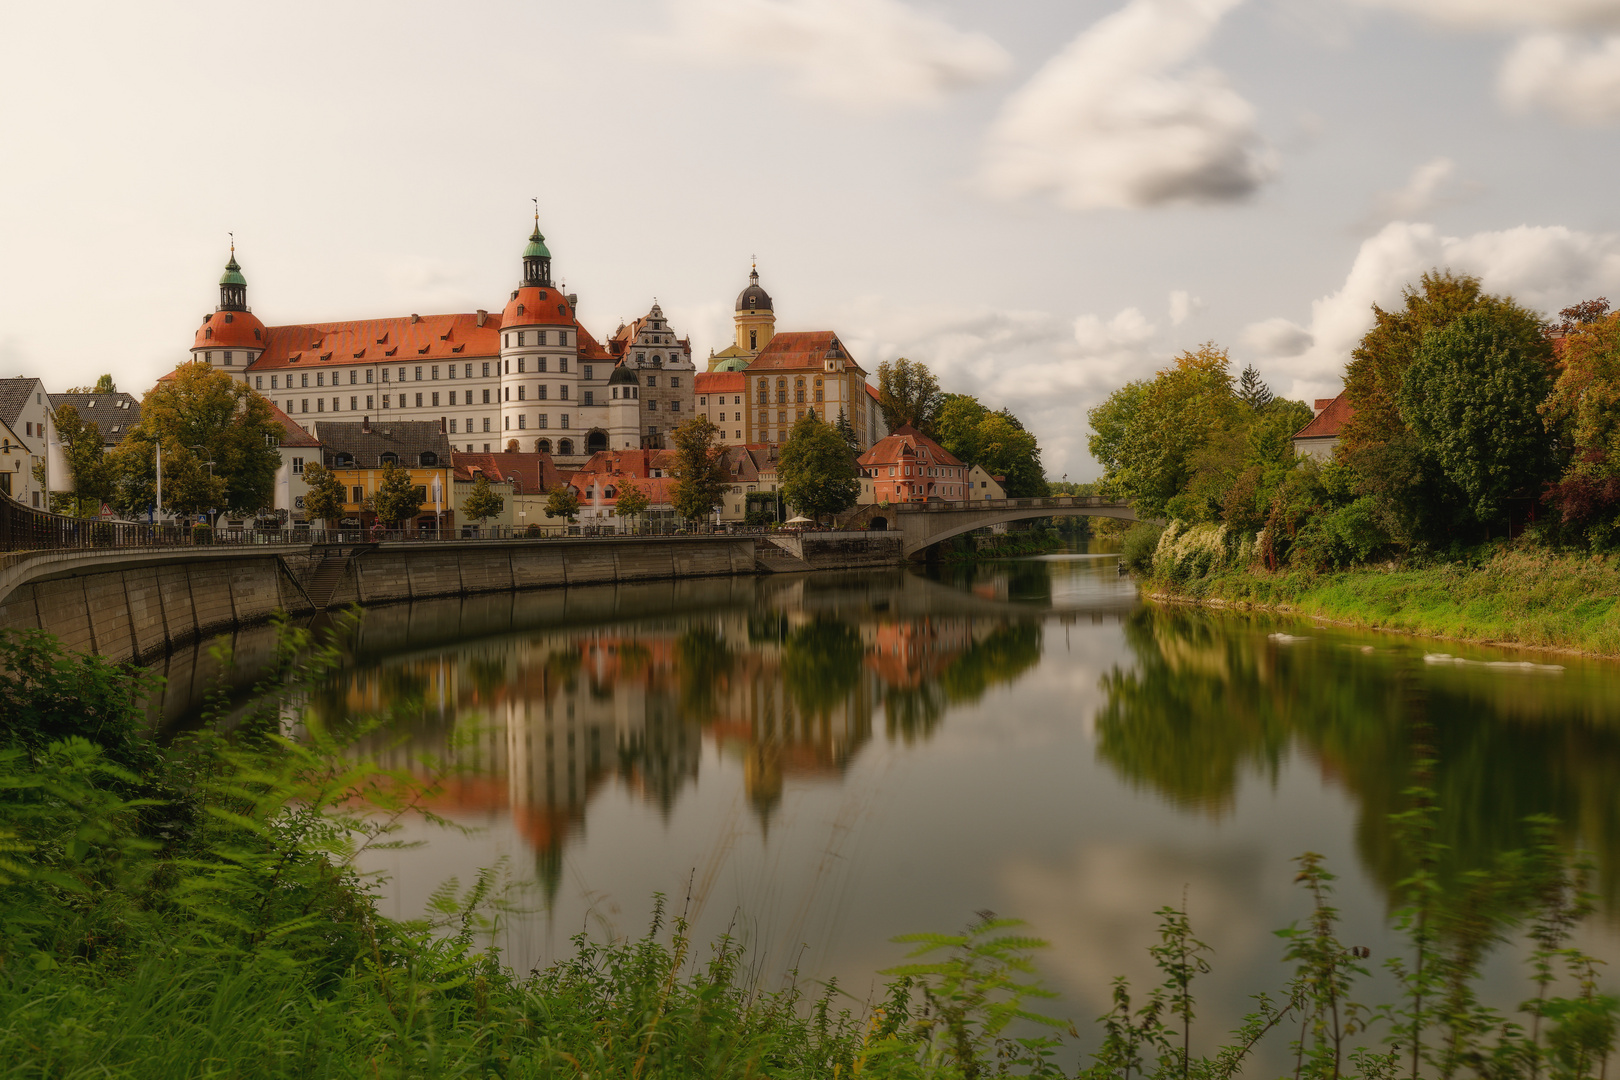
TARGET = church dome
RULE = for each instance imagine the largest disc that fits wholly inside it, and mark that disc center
(533, 305)
(230, 330)
(623, 376)
(735, 363)
(754, 298)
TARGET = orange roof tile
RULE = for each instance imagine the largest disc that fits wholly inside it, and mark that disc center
(1327, 423)
(801, 349)
(720, 382)
(407, 339)
(296, 436)
(910, 445)
(532, 305)
(529, 473)
(230, 330)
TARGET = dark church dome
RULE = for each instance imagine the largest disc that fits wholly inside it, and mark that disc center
(754, 298)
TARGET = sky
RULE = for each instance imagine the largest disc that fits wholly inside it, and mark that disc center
(1040, 200)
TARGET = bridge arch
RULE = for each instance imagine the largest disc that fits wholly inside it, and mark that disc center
(923, 525)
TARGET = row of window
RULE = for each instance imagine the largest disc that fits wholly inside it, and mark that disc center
(432, 401)
(544, 421)
(918, 470)
(720, 399)
(540, 338)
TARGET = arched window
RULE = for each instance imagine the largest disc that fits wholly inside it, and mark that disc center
(511, 446)
(565, 447)
(428, 459)
(542, 446)
(597, 440)
(389, 458)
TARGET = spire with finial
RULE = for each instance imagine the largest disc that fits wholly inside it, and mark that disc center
(232, 285)
(537, 257)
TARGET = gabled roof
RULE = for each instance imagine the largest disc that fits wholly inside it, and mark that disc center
(408, 439)
(636, 463)
(720, 382)
(801, 349)
(14, 395)
(909, 446)
(408, 339)
(295, 436)
(1328, 421)
(658, 489)
(528, 473)
(112, 414)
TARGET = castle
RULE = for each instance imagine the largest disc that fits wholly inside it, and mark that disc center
(533, 378)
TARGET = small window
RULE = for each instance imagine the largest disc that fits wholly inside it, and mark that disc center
(418, 401)
(389, 458)
(258, 382)
(588, 370)
(435, 372)
(429, 459)
(418, 374)
(297, 464)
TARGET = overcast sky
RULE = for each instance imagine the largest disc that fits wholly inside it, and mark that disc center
(1041, 200)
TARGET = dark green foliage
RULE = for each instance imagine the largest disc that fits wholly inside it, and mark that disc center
(1471, 397)
(817, 470)
(1252, 390)
(1137, 547)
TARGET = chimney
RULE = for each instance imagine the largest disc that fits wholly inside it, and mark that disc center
(415, 318)
(482, 316)
(365, 425)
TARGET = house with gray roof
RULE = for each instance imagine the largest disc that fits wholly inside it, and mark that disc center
(114, 415)
(26, 412)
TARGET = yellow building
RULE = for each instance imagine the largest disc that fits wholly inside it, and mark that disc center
(359, 453)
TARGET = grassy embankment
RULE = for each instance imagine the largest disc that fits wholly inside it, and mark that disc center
(1520, 597)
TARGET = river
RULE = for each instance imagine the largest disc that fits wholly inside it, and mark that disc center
(821, 763)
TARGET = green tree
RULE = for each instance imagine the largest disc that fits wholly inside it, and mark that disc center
(1252, 390)
(324, 500)
(817, 470)
(203, 412)
(699, 469)
(956, 426)
(105, 385)
(397, 498)
(1472, 396)
(1110, 426)
(190, 486)
(562, 501)
(482, 502)
(1584, 411)
(1007, 449)
(632, 501)
(846, 431)
(908, 393)
(87, 464)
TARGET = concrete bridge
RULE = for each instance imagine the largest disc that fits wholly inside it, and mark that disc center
(921, 525)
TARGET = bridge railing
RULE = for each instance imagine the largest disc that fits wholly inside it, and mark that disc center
(1056, 502)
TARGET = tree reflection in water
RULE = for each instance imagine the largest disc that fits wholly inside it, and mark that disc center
(1211, 698)
(539, 722)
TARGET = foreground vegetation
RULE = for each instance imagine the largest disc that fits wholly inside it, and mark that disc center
(195, 910)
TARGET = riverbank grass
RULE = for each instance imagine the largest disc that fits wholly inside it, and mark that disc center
(1508, 596)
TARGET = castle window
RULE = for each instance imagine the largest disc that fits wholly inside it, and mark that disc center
(320, 378)
(540, 364)
(520, 337)
(228, 361)
(753, 340)
(354, 404)
(588, 372)
(523, 421)
(435, 401)
(590, 397)
(562, 391)
(540, 337)
(388, 458)
(562, 363)
(652, 380)
(418, 374)
(520, 365)
(523, 393)
(258, 382)
(675, 381)
(486, 423)
(486, 370)
(435, 372)
(418, 401)
(545, 421)
(386, 399)
(369, 400)
(486, 397)
(453, 370)
(303, 378)
(543, 391)
(674, 406)
(452, 393)
(562, 421)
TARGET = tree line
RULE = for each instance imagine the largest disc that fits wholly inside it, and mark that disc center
(1471, 418)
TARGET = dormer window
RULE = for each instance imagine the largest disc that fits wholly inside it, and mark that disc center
(429, 458)
(343, 461)
(389, 458)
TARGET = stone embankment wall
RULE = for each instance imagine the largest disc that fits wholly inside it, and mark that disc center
(134, 605)
(126, 613)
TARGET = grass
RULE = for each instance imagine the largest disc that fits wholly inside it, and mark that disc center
(1517, 597)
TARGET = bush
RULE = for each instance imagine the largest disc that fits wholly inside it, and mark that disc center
(533, 532)
(1186, 553)
(1137, 547)
(202, 534)
(1333, 540)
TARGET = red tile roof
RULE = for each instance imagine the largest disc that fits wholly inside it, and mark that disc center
(909, 445)
(720, 382)
(296, 436)
(800, 349)
(658, 489)
(408, 339)
(1329, 421)
(230, 330)
(636, 463)
(532, 305)
(530, 474)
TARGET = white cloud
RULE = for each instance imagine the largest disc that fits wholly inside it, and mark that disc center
(866, 55)
(1183, 306)
(1544, 267)
(1429, 186)
(1119, 119)
(1508, 14)
(1048, 371)
(1576, 82)
(1277, 337)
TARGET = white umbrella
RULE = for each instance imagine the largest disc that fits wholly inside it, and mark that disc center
(800, 520)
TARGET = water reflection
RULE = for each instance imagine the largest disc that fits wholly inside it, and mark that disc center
(1210, 699)
(785, 683)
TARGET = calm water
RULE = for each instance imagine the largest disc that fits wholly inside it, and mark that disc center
(827, 762)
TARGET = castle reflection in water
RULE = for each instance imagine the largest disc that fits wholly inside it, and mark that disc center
(531, 724)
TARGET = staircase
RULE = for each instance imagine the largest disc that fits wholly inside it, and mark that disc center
(776, 558)
(327, 577)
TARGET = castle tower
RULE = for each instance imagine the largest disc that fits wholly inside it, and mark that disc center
(754, 318)
(539, 365)
(624, 409)
(231, 337)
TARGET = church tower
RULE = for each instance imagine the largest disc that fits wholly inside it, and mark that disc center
(755, 320)
(231, 337)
